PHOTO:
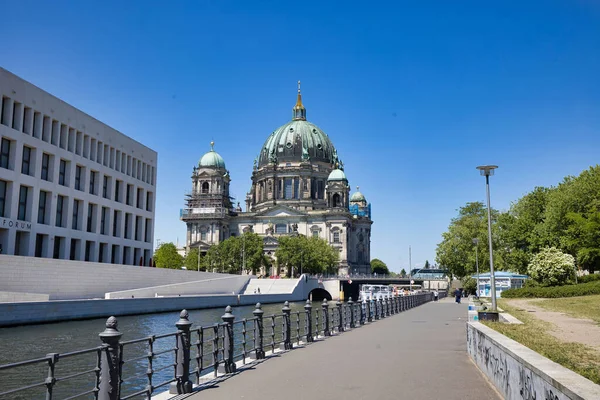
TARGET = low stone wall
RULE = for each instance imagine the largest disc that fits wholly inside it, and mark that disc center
(14, 297)
(62, 310)
(520, 373)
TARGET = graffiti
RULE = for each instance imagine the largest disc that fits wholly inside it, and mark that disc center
(501, 372)
(550, 395)
(527, 390)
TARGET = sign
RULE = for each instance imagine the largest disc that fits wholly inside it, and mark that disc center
(9, 223)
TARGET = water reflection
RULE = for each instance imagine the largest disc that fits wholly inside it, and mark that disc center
(34, 341)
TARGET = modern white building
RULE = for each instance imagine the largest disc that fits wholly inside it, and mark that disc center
(71, 187)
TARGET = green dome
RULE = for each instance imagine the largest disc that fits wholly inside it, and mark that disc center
(297, 141)
(337, 175)
(357, 196)
(212, 159)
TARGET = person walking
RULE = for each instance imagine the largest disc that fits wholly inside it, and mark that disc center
(457, 295)
(435, 295)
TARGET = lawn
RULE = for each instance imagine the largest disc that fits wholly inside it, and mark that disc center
(578, 307)
(533, 333)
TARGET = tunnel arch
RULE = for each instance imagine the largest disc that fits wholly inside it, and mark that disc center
(319, 294)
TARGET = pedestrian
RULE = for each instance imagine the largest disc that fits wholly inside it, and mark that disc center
(457, 295)
(435, 295)
(258, 290)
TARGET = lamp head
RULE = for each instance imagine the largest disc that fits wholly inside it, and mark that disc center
(487, 170)
(475, 241)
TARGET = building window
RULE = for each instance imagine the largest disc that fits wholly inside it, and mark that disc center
(60, 203)
(127, 217)
(118, 190)
(140, 196)
(288, 188)
(315, 233)
(103, 220)
(105, 187)
(78, 177)
(2, 198)
(75, 224)
(26, 162)
(148, 201)
(115, 221)
(22, 214)
(93, 175)
(42, 207)
(5, 154)
(57, 245)
(128, 194)
(205, 187)
(62, 171)
(336, 237)
(203, 235)
(90, 218)
(45, 166)
(280, 228)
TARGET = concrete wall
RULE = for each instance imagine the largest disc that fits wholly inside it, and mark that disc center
(52, 311)
(520, 373)
(298, 289)
(66, 280)
(224, 285)
(15, 297)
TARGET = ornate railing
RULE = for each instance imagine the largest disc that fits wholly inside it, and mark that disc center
(120, 370)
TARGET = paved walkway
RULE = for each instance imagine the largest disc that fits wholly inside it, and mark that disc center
(418, 354)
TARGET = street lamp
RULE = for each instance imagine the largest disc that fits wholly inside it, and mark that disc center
(487, 171)
(476, 243)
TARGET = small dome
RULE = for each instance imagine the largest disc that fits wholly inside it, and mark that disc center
(212, 159)
(337, 175)
(357, 196)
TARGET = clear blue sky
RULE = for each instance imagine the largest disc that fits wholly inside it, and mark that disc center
(414, 95)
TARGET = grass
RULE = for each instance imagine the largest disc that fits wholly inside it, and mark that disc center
(579, 307)
(533, 333)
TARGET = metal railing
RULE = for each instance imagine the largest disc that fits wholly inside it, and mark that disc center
(120, 370)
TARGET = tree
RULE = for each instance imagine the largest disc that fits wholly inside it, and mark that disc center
(310, 255)
(191, 261)
(166, 256)
(552, 267)
(470, 285)
(403, 273)
(379, 267)
(427, 266)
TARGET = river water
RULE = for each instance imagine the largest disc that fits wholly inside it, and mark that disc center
(34, 341)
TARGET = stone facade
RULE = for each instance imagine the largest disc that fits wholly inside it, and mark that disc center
(298, 187)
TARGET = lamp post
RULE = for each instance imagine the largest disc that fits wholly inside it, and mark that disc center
(487, 171)
(476, 243)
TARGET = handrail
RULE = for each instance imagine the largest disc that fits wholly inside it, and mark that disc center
(217, 347)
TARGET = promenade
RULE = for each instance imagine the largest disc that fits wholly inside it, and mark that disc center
(417, 354)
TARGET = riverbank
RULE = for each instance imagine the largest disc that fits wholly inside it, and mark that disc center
(34, 312)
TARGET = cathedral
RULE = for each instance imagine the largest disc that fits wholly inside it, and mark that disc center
(298, 187)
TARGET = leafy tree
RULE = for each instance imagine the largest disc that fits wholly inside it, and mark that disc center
(379, 267)
(552, 267)
(470, 285)
(403, 273)
(309, 255)
(191, 261)
(166, 256)
(427, 266)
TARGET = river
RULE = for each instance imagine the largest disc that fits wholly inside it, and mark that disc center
(34, 341)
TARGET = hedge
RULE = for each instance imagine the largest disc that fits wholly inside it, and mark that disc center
(583, 289)
(588, 278)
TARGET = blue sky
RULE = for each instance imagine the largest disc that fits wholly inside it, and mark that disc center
(414, 95)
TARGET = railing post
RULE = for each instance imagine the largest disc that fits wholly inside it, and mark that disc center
(351, 305)
(362, 306)
(392, 310)
(258, 332)
(376, 309)
(370, 310)
(308, 313)
(228, 318)
(182, 369)
(340, 316)
(287, 327)
(110, 362)
(325, 307)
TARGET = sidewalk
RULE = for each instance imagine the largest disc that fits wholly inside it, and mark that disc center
(418, 354)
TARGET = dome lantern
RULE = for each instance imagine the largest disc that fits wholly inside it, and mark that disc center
(299, 112)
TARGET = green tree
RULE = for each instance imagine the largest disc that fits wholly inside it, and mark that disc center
(166, 256)
(191, 261)
(379, 267)
(310, 255)
(403, 273)
(552, 267)
(426, 266)
(470, 285)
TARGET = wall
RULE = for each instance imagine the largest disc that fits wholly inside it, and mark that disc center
(13, 297)
(65, 280)
(52, 311)
(225, 285)
(520, 373)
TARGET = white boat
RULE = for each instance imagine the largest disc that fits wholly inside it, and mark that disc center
(374, 292)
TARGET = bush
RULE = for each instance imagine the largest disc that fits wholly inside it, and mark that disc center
(583, 289)
(530, 283)
(588, 278)
(552, 267)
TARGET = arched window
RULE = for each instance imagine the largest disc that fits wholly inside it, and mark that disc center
(205, 187)
(336, 201)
